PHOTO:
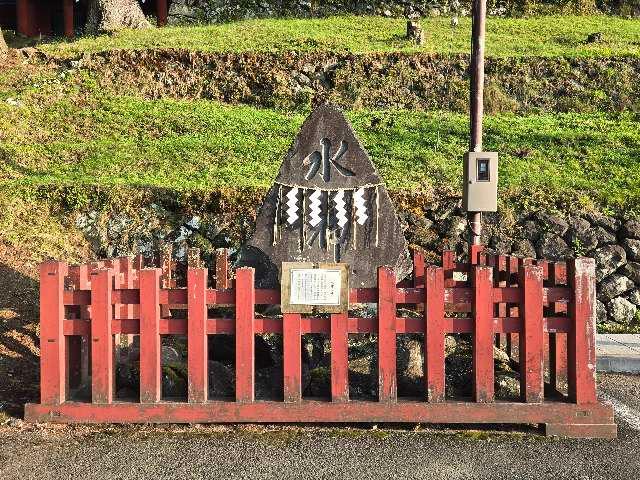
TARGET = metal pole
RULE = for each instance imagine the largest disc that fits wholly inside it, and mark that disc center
(478, 21)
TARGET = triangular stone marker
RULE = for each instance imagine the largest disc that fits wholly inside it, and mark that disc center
(328, 204)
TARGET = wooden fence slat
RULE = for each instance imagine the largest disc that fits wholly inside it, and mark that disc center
(339, 357)
(292, 357)
(581, 349)
(222, 268)
(197, 368)
(448, 264)
(245, 342)
(387, 382)
(434, 334)
(52, 341)
(532, 351)
(483, 338)
(150, 344)
(101, 337)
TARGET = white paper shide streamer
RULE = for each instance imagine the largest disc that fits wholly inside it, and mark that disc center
(315, 208)
(361, 206)
(341, 211)
(292, 204)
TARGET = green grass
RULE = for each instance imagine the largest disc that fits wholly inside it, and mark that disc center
(537, 36)
(92, 137)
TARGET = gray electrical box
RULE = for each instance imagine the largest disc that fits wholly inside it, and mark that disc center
(480, 189)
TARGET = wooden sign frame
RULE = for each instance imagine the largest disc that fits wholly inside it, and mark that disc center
(285, 288)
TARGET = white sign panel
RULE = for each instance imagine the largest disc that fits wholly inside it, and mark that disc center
(315, 286)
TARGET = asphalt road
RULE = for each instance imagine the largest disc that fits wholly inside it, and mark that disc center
(111, 452)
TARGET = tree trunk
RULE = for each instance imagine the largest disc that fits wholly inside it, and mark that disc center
(3, 45)
(107, 16)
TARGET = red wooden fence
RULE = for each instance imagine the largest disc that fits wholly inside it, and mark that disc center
(542, 312)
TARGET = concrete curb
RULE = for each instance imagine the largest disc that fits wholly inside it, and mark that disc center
(618, 353)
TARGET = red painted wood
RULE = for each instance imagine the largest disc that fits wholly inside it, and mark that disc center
(162, 12)
(581, 346)
(387, 386)
(101, 336)
(434, 323)
(532, 336)
(197, 368)
(418, 269)
(322, 411)
(67, 11)
(448, 264)
(245, 343)
(339, 357)
(557, 359)
(292, 357)
(222, 269)
(476, 255)
(483, 374)
(52, 341)
(150, 345)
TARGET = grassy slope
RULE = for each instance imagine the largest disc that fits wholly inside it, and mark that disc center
(544, 36)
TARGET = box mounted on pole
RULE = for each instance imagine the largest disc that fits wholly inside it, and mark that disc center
(480, 189)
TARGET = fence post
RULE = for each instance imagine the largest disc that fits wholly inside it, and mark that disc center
(245, 343)
(482, 333)
(387, 382)
(101, 336)
(52, 341)
(434, 333)
(222, 268)
(448, 264)
(292, 357)
(197, 369)
(150, 347)
(339, 357)
(532, 334)
(557, 341)
(581, 339)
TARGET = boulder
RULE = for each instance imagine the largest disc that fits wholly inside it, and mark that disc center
(614, 286)
(530, 230)
(553, 247)
(632, 247)
(581, 237)
(631, 229)
(169, 355)
(632, 270)
(222, 380)
(604, 236)
(609, 259)
(609, 223)
(601, 312)
(553, 223)
(622, 310)
(634, 296)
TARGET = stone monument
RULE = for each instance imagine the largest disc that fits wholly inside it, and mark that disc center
(328, 204)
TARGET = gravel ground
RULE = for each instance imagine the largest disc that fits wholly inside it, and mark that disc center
(113, 452)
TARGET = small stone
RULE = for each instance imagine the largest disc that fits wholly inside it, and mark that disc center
(632, 247)
(632, 270)
(523, 248)
(631, 229)
(613, 286)
(622, 310)
(553, 247)
(609, 259)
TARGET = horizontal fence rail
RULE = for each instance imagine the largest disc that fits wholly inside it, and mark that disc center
(541, 313)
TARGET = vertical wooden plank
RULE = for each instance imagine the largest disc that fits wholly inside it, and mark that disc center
(418, 269)
(67, 8)
(101, 336)
(387, 382)
(292, 357)
(222, 268)
(557, 341)
(581, 349)
(434, 334)
(162, 12)
(197, 368)
(150, 345)
(52, 341)
(532, 336)
(476, 255)
(245, 342)
(339, 357)
(448, 264)
(483, 374)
